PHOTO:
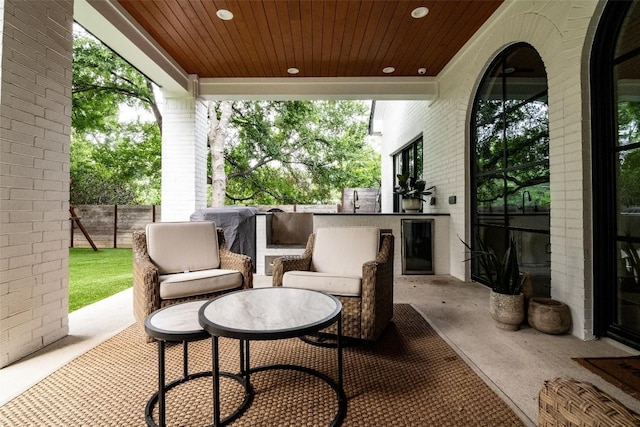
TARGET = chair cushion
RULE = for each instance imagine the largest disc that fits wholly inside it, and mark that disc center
(342, 251)
(178, 247)
(348, 286)
(200, 282)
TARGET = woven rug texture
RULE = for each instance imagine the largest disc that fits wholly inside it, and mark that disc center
(409, 377)
(623, 372)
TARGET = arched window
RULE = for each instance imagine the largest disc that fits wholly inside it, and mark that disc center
(510, 162)
(615, 87)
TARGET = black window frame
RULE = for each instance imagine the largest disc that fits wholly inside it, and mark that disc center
(505, 227)
(604, 180)
(412, 149)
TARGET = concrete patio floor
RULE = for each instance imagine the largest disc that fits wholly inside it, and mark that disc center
(514, 364)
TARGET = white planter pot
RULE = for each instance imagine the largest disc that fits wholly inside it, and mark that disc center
(411, 205)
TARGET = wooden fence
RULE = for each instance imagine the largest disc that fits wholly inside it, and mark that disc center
(111, 226)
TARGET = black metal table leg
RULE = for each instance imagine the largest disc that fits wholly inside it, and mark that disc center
(185, 359)
(247, 363)
(216, 382)
(340, 353)
(161, 374)
(242, 378)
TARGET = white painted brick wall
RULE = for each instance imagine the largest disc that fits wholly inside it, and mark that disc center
(558, 31)
(184, 161)
(34, 174)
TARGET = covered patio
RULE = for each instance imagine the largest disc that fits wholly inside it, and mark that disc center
(427, 78)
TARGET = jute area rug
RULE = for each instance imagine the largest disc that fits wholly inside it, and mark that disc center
(623, 372)
(410, 377)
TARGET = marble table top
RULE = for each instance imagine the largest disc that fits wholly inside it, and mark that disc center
(178, 319)
(269, 313)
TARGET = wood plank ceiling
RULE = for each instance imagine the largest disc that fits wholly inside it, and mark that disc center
(321, 38)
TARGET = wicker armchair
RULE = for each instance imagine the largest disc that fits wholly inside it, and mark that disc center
(188, 248)
(365, 288)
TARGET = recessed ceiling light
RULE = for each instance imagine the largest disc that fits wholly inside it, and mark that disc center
(419, 12)
(422, 71)
(293, 70)
(509, 70)
(388, 70)
(224, 14)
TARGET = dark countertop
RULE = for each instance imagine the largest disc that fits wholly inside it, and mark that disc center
(368, 214)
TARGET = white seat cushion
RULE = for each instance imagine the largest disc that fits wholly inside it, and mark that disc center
(343, 250)
(178, 247)
(348, 286)
(182, 285)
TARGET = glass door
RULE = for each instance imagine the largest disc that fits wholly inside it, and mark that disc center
(510, 163)
(616, 177)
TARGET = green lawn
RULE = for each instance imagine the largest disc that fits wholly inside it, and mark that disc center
(97, 275)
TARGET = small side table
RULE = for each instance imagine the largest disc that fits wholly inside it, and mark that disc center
(178, 323)
(263, 314)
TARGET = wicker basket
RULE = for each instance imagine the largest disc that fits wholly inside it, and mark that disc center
(566, 402)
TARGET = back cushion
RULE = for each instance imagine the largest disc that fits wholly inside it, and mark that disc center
(343, 250)
(175, 247)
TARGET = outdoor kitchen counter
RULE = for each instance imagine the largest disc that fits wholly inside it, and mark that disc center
(389, 222)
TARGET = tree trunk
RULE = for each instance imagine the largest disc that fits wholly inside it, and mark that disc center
(217, 136)
(154, 107)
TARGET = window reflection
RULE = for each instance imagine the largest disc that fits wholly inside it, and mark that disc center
(407, 161)
(626, 74)
(510, 164)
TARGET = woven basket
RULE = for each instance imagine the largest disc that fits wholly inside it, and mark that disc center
(567, 402)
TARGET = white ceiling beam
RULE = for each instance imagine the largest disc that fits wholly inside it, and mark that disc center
(300, 88)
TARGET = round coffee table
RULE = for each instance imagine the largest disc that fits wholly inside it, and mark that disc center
(179, 323)
(272, 314)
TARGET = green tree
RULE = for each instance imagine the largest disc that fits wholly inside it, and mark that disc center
(629, 160)
(112, 161)
(523, 127)
(305, 152)
(275, 151)
(102, 82)
(122, 167)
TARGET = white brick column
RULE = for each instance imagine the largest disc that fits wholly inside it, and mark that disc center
(184, 158)
(35, 111)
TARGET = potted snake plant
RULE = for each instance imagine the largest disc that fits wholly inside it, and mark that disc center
(506, 302)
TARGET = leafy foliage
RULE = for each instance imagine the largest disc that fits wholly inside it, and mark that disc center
(526, 165)
(629, 160)
(122, 167)
(102, 82)
(282, 152)
(112, 161)
(502, 274)
(410, 188)
(277, 152)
